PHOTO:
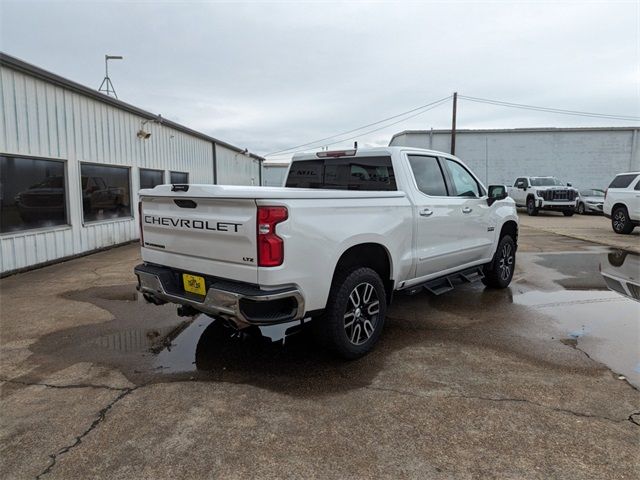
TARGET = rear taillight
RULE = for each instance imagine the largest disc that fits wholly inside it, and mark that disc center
(270, 245)
(140, 222)
(605, 193)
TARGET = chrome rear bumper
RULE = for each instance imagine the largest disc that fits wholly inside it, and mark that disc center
(242, 304)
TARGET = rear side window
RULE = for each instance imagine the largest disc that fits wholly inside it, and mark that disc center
(622, 181)
(428, 175)
(358, 173)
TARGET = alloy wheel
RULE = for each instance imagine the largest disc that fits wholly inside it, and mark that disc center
(361, 314)
(619, 220)
(505, 261)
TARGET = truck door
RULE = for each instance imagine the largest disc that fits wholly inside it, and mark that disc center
(471, 213)
(519, 191)
(438, 229)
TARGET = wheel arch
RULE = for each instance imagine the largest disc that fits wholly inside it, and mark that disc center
(510, 227)
(371, 255)
(618, 205)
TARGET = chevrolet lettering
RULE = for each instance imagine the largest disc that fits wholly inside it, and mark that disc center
(196, 224)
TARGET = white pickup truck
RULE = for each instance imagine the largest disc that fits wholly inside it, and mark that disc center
(349, 229)
(544, 193)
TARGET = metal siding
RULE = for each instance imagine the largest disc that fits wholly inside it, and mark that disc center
(236, 168)
(274, 175)
(587, 159)
(45, 120)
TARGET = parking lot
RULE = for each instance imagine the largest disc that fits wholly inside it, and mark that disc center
(539, 380)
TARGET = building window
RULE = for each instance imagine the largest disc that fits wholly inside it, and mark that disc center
(150, 178)
(105, 192)
(179, 177)
(33, 193)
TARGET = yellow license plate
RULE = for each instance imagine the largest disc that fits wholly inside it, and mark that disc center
(193, 284)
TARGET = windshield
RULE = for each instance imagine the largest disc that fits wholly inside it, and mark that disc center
(592, 193)
(545, 181)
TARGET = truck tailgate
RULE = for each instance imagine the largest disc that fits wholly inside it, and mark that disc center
(214, 236)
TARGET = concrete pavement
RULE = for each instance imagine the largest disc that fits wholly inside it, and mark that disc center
(591, 228)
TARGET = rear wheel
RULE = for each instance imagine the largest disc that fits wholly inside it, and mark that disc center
(620, 221)
(355, 313)
(499, 272)
(531, 207)
(568, 213)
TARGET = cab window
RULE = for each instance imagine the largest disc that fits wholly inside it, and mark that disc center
(463, 182)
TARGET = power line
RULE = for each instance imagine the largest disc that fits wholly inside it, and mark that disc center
(436, 103)
(390, 124)
(549, 109)
(429, 106)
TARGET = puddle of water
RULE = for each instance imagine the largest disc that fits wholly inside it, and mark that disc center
(201, 345)
(133, 340)
(605, 324)
(179, 355)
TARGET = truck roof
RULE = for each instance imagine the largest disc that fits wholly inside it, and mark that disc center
(366, 152)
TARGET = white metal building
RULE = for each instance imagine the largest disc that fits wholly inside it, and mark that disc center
(72, 161)
(274, 173)
(585, 157)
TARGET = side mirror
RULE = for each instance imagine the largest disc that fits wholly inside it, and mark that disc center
(496, 192)
(569, 185)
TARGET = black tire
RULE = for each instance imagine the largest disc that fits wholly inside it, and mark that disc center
(620, 221)
(499, 272)
(343, 327)
(617, 258)
(580, 209)
(568, 213)
(532, 211)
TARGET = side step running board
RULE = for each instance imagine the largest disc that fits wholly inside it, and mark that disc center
(447, 283)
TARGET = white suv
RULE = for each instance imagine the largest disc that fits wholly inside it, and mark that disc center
(622, 202)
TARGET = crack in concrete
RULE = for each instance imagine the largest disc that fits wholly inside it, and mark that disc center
(514, 400)
(71, 385)
(576, 347)
(78, 440)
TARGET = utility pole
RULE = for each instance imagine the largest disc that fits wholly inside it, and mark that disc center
(453, 123)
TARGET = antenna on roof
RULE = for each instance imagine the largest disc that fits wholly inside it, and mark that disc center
(106, 86)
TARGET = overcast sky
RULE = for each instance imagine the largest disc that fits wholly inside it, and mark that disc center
(268, 76)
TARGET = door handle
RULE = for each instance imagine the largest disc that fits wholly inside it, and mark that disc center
(426, 212)
(467, 210)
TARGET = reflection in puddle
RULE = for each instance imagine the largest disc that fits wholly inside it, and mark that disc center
(601, 323)
(208, 345)
(133, 340)
(179, 355)
(621, 273)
